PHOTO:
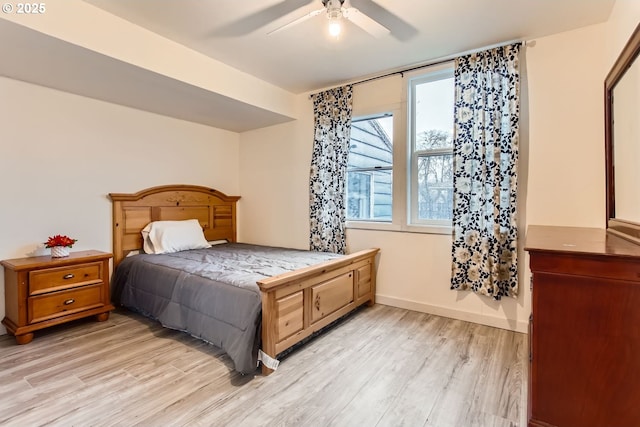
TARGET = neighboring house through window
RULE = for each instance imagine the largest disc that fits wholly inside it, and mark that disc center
(369, 171)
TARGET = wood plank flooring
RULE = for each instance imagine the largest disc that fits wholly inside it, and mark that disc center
(381, 366)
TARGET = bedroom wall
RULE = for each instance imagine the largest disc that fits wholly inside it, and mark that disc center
(274, 181)
(561, 179)
(566, 86)
(62, 154)
(624, 18)
(566, 153)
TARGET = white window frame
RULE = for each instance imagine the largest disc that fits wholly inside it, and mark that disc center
(397, 188)
(353, 223)
(429, 74)
(402, 160)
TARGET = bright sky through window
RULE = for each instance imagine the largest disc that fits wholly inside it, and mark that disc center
(431, 115)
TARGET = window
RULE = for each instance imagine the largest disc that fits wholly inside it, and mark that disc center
(406, 186)
(431, 102)
(370, 169)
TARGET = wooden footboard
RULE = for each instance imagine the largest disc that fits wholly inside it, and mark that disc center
(297, 304)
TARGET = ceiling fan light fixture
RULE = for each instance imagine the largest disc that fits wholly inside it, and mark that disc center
(334, 13)
(335, 27)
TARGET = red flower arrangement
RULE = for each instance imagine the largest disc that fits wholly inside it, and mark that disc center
(59, 240)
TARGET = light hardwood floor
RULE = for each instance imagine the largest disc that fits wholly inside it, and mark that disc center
(403, 368)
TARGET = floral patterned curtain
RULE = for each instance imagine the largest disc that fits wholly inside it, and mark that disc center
(332, 112)
(487, 86)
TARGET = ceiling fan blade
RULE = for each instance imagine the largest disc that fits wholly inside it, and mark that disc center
(399, 28)
(297, 21)
(259, 19)
(363, 21)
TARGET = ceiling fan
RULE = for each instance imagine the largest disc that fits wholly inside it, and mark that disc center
(367, 14)
(336, 12)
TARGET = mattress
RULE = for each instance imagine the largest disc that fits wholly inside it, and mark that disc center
(209, 293)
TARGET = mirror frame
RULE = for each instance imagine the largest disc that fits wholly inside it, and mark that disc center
(618, 226)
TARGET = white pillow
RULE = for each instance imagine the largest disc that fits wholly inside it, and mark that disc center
(217, 242)
(164, 237)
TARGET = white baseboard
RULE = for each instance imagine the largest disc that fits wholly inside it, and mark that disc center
(483, 319)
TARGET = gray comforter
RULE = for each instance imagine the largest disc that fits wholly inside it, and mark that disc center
(210, 293)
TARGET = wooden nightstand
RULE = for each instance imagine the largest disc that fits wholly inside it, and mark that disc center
(42, 291)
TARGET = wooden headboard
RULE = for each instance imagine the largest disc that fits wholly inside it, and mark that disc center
(132, 212)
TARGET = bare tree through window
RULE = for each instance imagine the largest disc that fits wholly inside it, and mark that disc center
(435, 175)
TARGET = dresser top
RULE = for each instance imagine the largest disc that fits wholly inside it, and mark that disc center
(29, 263)
(597, 241)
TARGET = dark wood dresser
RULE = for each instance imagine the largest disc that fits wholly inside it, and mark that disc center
(584, 329)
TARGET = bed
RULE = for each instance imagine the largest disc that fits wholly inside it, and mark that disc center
(250, 313)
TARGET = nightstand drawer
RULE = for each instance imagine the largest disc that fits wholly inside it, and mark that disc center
(56, 304)
(53, 279)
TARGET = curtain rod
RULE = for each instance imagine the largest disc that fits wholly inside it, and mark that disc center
(401, 72)
(429, 64)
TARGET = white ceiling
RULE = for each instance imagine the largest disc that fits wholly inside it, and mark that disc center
(303, 58)
(299, 59)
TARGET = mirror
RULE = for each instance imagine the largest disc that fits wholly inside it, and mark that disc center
(622, 142)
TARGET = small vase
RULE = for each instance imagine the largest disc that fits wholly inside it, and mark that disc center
(59, 251)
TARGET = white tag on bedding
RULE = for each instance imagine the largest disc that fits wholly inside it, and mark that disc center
(268, 361)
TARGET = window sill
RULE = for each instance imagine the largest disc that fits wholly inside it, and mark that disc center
(387, 226)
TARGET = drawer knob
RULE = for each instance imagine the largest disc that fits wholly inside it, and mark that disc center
(69, 301)
(317, 302)
(68, 276)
